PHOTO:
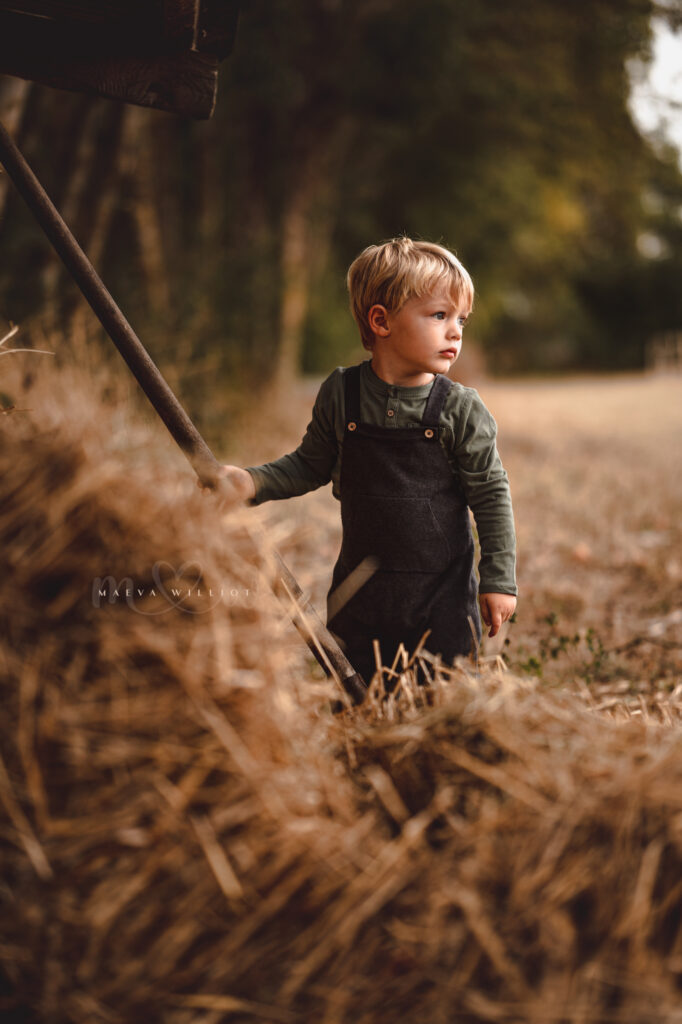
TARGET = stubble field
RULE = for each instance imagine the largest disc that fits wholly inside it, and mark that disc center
(188, 835)
(595, 466)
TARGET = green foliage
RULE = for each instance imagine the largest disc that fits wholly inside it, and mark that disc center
(501, 129)
(584, 649)
(526, 161)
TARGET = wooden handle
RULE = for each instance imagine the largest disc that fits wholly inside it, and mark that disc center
(152, 382)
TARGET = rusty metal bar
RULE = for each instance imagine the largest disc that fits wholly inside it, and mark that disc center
(150, 379)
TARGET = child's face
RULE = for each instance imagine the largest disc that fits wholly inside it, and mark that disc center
(423, 338)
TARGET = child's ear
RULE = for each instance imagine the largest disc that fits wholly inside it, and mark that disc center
(378, 321)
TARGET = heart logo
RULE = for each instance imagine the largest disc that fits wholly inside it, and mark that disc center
(178, 584)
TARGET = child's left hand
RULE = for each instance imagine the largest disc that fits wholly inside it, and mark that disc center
(496, 609)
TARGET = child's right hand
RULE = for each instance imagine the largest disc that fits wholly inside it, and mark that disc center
(240, 485)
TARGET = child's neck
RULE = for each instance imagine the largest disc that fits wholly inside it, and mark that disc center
(394, 376)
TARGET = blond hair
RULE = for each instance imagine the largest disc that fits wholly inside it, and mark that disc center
(398, 270)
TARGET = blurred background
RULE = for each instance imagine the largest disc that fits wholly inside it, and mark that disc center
(531, 139)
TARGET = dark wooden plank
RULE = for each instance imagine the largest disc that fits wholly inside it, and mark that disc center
(170, 19)
(217, 26)
(21, 33)
(184, 84)
(158, 27)
(180, 19)
(94, 12)
(162, 53)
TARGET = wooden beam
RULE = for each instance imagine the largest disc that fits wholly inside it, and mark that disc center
(26, 34)
(217, 26)
(83, 12)
(121, 26)
(180, 21)
(321, 642)
(184, 84)
(161, 53)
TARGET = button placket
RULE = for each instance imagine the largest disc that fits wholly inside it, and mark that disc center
(392, 406)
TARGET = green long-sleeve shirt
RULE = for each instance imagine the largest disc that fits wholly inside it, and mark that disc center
(468, 439)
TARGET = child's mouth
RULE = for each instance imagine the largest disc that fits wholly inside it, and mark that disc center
(449, 353)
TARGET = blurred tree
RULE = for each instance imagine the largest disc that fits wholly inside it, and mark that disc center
(501, 130)
(522, 154)
(13, 98)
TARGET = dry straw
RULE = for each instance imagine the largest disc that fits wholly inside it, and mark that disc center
(189, 835)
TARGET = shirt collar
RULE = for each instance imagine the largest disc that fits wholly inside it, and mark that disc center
(380, 387)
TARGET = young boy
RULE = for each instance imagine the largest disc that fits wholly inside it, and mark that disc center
(408, 453)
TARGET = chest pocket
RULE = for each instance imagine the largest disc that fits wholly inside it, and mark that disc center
(400, 534)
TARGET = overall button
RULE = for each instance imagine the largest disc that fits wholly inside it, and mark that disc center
(352, 426)
(390, 413)
(428, 433)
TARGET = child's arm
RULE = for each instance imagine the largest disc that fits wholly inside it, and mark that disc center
(308, 467)
(486, 487)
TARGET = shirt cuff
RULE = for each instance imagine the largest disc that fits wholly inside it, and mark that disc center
(497, 588)
(259, 482)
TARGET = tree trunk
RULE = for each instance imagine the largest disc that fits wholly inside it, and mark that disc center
(14, 95)
(87, 203)
(307, 228)
(71, 206)
(295, 268)
(141, 170)
(105, 174)
(109, 187)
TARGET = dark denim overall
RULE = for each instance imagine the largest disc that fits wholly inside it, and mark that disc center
(402, 509)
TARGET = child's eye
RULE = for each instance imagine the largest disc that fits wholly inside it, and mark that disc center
(439, 316)
(461, 320)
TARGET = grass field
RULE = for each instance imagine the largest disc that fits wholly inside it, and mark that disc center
(188, 835)
(596, 478)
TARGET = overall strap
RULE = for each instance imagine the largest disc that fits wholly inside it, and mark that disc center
(351, 386)
(436, 400)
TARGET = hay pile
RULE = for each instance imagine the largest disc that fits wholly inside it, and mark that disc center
(188, 835)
